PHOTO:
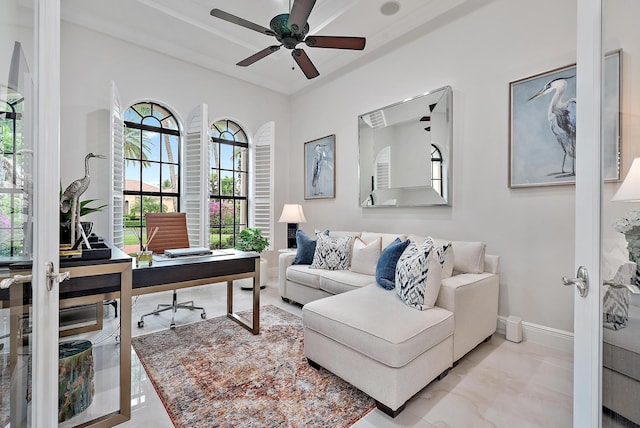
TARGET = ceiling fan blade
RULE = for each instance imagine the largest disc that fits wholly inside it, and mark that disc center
(257, 56)
(242, 22)
(305, 64)
(336, 42)
(299, 15)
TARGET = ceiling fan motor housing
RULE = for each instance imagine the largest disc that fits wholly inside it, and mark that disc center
(286, 35)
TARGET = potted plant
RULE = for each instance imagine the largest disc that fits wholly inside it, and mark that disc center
(251, 239)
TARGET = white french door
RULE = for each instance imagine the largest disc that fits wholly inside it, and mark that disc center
(31, 117)
(604, 26)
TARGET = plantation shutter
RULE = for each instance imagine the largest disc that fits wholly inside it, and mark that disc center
(195, 166)
(261, 216)
(116, 129)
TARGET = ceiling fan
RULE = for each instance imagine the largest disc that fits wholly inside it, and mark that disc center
(290, 29)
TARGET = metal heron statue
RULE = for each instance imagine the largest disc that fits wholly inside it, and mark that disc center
(71, 196)
(562, 119)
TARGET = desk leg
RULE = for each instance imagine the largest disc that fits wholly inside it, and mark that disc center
(254, 325)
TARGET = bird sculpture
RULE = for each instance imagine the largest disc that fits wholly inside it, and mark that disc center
(71, 195)
(562, 119)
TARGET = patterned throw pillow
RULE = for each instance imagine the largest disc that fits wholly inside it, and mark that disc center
(419, 274)
(332, 254)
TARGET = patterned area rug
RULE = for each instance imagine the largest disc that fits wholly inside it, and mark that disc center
(214, 373)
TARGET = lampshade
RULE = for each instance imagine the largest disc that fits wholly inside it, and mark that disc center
(292, 213)
(629, 190)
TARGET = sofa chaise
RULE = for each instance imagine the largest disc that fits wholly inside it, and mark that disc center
(368, 336)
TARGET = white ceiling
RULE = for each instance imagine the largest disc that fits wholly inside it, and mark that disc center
(184, 29)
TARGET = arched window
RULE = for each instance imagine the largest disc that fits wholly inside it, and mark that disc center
(152, 165)
(436, 169)
(228, 182)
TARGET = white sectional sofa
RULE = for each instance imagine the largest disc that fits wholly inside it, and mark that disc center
(368, 336)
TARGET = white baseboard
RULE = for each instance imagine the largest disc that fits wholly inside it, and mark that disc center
(548, 336)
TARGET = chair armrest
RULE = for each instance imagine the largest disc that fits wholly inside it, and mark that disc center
(284, 261)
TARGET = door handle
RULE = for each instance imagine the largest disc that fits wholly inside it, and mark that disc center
(55, 277)
(16, 279)
(52, 277)
(581, 282)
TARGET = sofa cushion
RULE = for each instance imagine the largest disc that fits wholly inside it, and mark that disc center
(306, 248)
(332, 254)
(419, 274)
(376, 323)
(386, 267)
(303, 274)
(364, 256)
(339, 281)
(468, 256)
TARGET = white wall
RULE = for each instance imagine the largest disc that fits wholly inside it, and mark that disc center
(90, 60)
(478, 54)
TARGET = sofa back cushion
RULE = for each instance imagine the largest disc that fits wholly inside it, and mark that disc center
(386, 267)
(364, 257)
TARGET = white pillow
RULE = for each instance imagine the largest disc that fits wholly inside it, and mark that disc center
(364, 257)
(332, 254)
(469, 256)
(419, 275)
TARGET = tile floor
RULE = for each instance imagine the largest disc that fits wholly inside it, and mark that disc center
(499, 384)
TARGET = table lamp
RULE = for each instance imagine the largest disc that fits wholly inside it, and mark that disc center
(292, 214)
(629, 190)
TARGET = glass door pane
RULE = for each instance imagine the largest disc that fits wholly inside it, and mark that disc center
(16, 202)
(621, 218)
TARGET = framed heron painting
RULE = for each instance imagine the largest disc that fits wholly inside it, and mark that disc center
(320, 168)
(542, 126)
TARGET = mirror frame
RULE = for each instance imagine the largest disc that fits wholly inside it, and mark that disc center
(425, 192)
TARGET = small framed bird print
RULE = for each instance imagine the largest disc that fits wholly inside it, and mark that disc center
(542, 126)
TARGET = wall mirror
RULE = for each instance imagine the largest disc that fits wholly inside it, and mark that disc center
(405, 152)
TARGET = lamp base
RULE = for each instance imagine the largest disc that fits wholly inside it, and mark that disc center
(292, 228)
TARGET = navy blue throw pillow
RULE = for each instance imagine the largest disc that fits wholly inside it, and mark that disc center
(386, 267)
(306, 248)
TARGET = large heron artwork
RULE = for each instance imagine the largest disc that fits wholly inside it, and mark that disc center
(562, 119)
(70, 200)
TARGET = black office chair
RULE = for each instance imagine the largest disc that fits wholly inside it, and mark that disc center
(171, 234)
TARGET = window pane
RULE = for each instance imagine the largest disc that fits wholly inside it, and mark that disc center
(151, 121)
(132, 172)
(241, 184)
(169, 204)
(155, 140)
(214, 212)
(226, 183)
(170, 154)
(151, 177)
(240, 162)
(131, 115)
(150, 204)
(169, 178)
(242, 214)
(214, 184)
(215, 155)
(160, 112)
(170, 123)
(228, 213)
(226, 156)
